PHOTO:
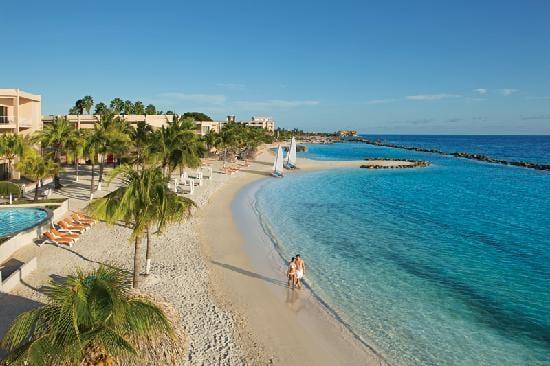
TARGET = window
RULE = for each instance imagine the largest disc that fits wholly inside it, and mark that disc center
(3, 114)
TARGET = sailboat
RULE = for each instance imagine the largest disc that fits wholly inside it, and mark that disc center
(291, 156)
(278, 163)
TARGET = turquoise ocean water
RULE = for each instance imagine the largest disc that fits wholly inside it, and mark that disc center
(445, 265)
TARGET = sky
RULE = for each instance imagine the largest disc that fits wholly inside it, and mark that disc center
(400, 67)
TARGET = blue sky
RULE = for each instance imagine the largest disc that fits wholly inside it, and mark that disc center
(378, 67)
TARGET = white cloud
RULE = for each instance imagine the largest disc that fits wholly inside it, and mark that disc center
(507, 92)
(481, 91)
(424, 97)
(195, 98)
(380, 101)
(269, 104)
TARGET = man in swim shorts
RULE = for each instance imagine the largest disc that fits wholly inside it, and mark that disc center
(300, 270)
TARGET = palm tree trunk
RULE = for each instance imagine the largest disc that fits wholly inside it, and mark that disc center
(137, 262)
(76, 164)
(10, 169)
(56, 180)
(92, 181)
(101, 163)
(148, 252)
(36, 190)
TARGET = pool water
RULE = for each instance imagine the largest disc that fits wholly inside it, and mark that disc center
(13, 220)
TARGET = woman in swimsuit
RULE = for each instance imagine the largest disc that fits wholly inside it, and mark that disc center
(291, 273)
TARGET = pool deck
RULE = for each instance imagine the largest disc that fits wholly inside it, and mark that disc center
(78, 197)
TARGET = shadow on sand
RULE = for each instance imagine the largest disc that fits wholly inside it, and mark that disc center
(245, 272)
(267, 174)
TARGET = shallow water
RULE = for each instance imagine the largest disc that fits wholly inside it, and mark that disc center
(445, 265)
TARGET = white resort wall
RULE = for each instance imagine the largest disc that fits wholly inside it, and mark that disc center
(17, 277)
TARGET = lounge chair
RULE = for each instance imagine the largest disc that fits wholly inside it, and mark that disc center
(57, 240)
(83, 216)
(82, 220)
(65, 235)
(72, 227)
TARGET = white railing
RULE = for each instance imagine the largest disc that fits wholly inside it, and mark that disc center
(7, 119)
(23, 121)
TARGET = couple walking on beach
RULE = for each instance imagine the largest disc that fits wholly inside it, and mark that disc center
(295, 271)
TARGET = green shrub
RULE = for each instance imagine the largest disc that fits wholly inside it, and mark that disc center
(8, 187)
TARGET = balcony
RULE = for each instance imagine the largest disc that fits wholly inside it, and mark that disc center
(5, 120)
(9, 122)
(25, 122)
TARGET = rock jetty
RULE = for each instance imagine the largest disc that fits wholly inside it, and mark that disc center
(404, 163)
(464, 155)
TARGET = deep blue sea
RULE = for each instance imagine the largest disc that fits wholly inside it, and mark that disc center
(445, 265)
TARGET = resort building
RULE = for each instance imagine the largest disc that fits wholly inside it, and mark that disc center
(20, 113)
(203, 127)
(347, 133)
(87, 121)
(266, 123)
(154, 120)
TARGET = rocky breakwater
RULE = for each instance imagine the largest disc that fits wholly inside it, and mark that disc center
(464, 155)
(488, 159)
(389, 163)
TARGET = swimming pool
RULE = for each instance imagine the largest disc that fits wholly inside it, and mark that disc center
(13, 220)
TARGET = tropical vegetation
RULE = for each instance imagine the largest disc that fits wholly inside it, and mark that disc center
(146, 160)
(91, 318)
(37, 167)
(7, 188)
(11, 146)
(143, 201)
(54, 139)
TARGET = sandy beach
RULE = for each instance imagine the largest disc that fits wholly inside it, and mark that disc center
(233, 302)
(284, 326)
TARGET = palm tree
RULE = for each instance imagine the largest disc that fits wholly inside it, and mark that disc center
(55, 138)
(212, 140)
(128, 107)
(79, 106)
(36, 167)
(91, 318)
(143, 200)
(117, 105)
(93, 143)
(11, 146)
(166, 207)
(101, 108)
(141, 137)
(177, 145)
(139, 108)
(231, 138)
(87, 103)
(114, 139)
(75, 146)
(150, 109)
